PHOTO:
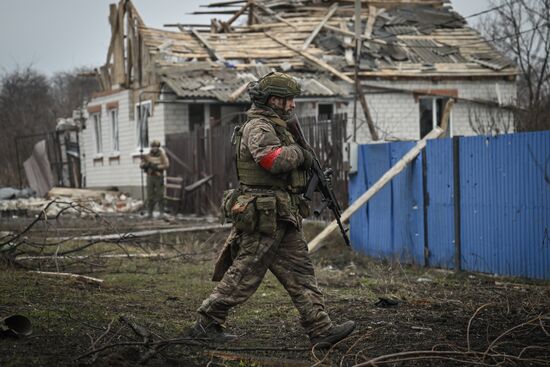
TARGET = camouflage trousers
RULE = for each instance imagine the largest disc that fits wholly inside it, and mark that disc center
(286, 256)
(155, 193)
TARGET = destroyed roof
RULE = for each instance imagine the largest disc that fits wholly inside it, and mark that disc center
(314, 39)
(222, 82)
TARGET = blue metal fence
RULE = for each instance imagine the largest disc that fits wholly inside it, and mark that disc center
(504, 205)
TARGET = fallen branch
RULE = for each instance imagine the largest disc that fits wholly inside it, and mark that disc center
(70, 275)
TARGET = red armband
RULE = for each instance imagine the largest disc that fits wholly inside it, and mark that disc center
(269, 159)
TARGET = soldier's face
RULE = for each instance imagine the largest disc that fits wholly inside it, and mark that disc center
(287, 105)
(290, 104)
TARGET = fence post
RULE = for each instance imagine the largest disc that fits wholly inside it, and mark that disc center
(456, 201)
(426, 199)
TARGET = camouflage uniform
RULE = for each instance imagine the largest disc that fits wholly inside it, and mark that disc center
(268, 165)
(155, 163)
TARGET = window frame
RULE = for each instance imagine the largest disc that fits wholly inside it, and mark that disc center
(98, 134)
(435, 114)
(140, 121)
(115, 148)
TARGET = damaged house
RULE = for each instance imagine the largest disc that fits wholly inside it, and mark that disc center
(413, 55)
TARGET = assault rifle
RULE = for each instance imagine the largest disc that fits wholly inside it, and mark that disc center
(320, 180)
(150, 167)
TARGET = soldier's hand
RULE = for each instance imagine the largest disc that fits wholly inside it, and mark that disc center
(308, 159)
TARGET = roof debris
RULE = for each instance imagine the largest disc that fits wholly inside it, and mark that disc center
(401, 38)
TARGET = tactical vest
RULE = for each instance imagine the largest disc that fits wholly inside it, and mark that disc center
(251, 174)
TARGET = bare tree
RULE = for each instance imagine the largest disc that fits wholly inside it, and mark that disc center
(71, 89)
(491, 120)
(30, 102)
(521, 30)
(25, 109)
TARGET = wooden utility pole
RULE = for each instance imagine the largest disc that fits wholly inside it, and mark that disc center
(357, 59)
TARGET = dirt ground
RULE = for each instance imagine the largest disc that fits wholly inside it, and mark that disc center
(140, 311)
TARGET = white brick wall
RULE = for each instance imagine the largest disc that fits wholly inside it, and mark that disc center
(397, 115)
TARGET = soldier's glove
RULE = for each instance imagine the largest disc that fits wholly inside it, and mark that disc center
(308, 159)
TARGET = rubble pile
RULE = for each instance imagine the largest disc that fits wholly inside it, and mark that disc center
(84, 202)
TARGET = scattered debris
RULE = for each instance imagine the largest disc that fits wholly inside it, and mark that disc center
(424, 280)
(386, 302)
(9, 193)
(96, 201)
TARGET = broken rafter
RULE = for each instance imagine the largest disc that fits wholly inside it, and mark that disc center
(209, 48)
(226, 25)
(349, 33)
(373, 13)
(223, 4)
(273, 14)
(313, 59)
(213, 12)
(313, 34)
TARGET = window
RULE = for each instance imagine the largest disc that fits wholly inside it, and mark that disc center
(142, 126)
(196, 116)
(431, 111)
(96, 118)
(325, 112)
(114, 130)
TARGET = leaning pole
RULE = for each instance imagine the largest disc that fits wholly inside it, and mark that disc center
(317, 243)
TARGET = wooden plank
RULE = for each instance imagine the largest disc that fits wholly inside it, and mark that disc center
(314, 60)
(69, 275)
(373, 13)
(174, 179)
(173, 186)
(330, 13)
(211, 50)
(273, 14)
(237, 92)
(316, 243)
(226, 25)
(224, 3)
(198, 183)
(349, 33)
(119, 73)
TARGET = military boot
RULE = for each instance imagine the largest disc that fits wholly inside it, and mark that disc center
(210, 330)
(334, 334)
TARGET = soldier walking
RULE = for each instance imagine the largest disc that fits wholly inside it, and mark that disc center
(267, 211)
(154, 164)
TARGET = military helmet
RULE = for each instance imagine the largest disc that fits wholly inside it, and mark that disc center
(155, 143)
(273, 84)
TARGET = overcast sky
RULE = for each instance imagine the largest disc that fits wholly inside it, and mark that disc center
(60, 35)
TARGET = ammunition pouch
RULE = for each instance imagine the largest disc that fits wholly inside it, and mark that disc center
(251, 212)
(243, 213)
(298, 180)
(267, 214)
